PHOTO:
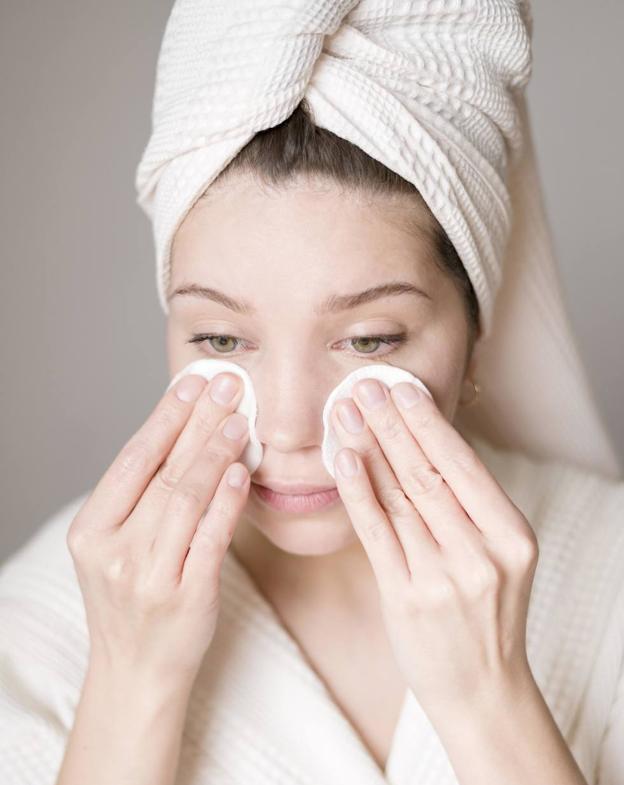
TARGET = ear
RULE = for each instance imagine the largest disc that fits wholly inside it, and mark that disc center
(473, 363)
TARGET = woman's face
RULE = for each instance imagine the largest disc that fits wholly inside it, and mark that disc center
(288, 254)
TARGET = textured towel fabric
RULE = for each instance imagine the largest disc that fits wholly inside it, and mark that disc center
(433, 90)
(260, 715)
(423, 87)
(389, 374)
(409, 84)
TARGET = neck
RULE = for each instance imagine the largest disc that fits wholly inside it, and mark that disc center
(343, 576)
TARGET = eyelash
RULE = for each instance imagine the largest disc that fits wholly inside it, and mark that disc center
(394, 340)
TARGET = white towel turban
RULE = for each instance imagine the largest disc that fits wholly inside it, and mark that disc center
(433, 90)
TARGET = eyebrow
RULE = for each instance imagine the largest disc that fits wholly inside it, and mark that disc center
(334, 304)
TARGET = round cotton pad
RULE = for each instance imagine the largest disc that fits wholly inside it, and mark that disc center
(389, 374)
(208, 367)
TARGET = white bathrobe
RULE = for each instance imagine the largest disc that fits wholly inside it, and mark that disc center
(260, 715)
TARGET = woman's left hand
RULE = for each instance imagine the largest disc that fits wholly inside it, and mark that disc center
(454, 558)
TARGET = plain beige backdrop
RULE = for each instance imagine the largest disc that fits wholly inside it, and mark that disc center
(83, 342)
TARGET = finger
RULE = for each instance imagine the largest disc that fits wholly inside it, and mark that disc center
(213, 534)
(121, 486)
(177, 524)
(370, 522)
(206, 418)
(422, 483)
(478, 492)
(414, 535)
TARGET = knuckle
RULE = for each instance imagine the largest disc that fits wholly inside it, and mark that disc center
(169, 475)
(377, 530)
(165, 416)
(221, 509)
(75, 539)
(369, 451)
(484, 579)
(394, 501)
(133, 460)
(525, 551)
(424, 420)
(187, 496)
(204, 421)
(210, 539)
(423, 478)
(151, 592)
(439, 594)
(466, 460)
(390, 427)
(118, 567)
(212, 456)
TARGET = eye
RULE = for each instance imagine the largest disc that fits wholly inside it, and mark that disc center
(369, 340)
(221, 342)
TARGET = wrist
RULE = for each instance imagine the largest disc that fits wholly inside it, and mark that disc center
(486, 700)
(128, 726)
(123, 682)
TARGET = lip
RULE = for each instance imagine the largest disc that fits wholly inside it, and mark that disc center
(295, 487)
(299, 503)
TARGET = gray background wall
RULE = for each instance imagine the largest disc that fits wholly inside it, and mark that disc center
(82, 334)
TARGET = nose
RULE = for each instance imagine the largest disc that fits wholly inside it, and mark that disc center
(290, 406)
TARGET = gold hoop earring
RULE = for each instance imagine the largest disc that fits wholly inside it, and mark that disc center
(475, 397)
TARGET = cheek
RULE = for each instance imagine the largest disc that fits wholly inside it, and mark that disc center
(179, 352)
(440, 363)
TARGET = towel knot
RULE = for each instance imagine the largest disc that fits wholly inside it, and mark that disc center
(424, 86)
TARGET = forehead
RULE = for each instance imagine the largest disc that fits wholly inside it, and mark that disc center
(305, 231)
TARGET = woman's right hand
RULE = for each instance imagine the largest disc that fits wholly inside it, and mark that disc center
(151, 603)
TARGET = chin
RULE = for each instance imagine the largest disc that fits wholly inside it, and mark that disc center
(304, 535)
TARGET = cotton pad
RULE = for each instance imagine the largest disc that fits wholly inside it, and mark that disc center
(251, 456)
(389, 374)
(208, 367)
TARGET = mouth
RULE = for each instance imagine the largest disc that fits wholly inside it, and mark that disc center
(303, 501)
(292, 488)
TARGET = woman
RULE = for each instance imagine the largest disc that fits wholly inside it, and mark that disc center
(378, 635)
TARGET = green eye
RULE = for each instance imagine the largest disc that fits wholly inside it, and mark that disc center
(221, 343)
(392, 341)
(366, 342)
(226, 344)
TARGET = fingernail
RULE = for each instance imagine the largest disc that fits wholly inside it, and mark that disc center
(189, 388)
(371, 393)
(223, 389)
(350, 417)
(235, 426)
(407, 394)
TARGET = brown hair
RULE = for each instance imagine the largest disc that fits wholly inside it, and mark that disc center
(297, 147)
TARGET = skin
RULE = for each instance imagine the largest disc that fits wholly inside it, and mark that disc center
(422, 524)
(286, 250)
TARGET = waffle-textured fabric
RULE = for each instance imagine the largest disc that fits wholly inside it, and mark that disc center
(260, 715)
(433, 90)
